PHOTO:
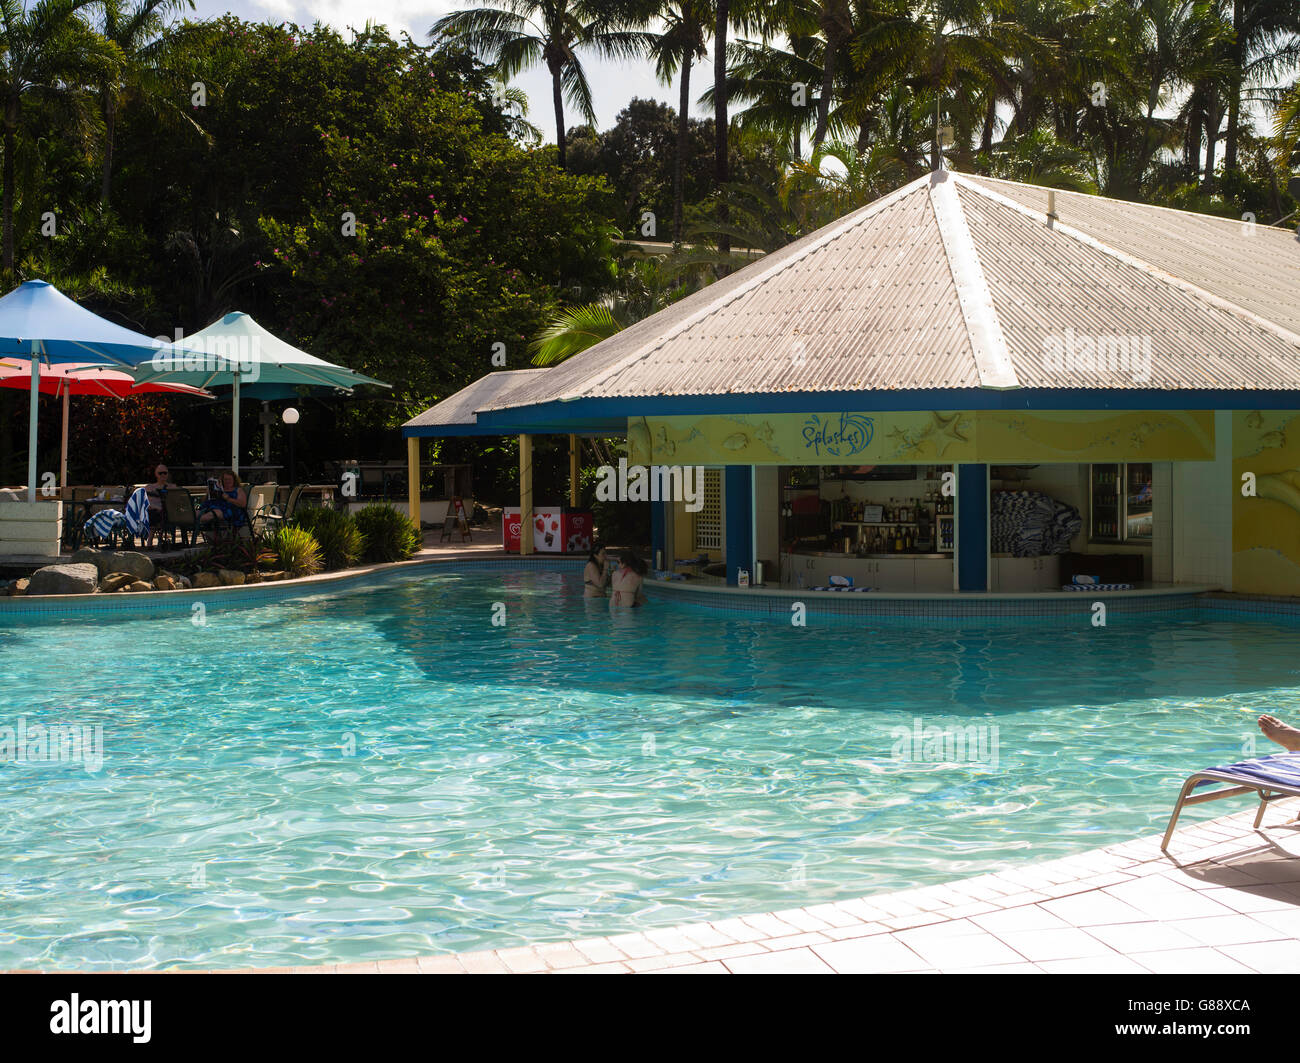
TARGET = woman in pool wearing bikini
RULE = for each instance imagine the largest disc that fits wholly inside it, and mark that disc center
(595, 577)
(626, 583)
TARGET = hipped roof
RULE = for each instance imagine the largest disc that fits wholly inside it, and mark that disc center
(955, 281)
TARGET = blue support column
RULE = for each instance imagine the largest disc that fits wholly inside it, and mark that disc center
(972, 527)
(658, 526)
(738, 539)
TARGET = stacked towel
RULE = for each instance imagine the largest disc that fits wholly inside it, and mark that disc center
(841, 587)
(1097, 587)
(1031, 524)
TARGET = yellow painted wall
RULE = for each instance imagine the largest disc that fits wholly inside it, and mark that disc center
(996, 436)
(1266, 527)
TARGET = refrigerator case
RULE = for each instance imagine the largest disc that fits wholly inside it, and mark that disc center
(1137, 502)
(1106, 508)
(1121, 503)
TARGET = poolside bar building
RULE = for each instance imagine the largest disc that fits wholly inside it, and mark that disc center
(969, 386)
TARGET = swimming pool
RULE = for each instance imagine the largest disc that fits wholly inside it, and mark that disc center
(384, 772)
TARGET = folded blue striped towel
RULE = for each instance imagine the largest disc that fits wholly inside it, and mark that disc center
(841, 587)
(1097, 587)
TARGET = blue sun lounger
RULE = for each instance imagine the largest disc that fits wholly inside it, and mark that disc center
(1269, 777)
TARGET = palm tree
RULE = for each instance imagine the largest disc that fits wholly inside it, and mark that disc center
(966, 47)
(522, 33)
(145, 41)
(677, 47)
(1265, 42)
(1286, 126)
(47, 51)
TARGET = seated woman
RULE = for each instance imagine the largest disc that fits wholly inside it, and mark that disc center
(230, 505)
(626, 583)
(595, 576)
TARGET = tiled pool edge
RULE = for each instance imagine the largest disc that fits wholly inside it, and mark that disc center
(1119, 909)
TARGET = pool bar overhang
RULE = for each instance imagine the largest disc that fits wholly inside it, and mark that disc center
(973, 325)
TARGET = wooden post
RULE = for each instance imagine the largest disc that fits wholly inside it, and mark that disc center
(573, 471)
(413, 477)
(525, 495)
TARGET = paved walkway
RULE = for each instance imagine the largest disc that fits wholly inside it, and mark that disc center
(1228, 900)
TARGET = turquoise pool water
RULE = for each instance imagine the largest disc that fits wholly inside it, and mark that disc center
(384, 773)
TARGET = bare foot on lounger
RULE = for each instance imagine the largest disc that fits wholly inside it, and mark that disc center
(1284, 735)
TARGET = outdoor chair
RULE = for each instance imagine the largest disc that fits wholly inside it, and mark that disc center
(119, 527)
(261, 500)
(1268, 778)
(277, 514)
(218, 529)
(179, 516)
(75, 514)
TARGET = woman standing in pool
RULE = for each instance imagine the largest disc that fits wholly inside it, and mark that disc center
(626, 583)
(595, 577)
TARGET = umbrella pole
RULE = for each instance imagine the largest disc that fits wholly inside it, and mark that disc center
(63, 447)
(234, 429)
(33, 409)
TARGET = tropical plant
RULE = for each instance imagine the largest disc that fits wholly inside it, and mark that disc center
(337, 534)
(47, 53)
(1286, 126)
(390, 535)
(522, 33)
(145, 41)
(297, 551)
(1265, 43)
(573, 330)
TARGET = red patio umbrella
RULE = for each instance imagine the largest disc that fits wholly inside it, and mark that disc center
(73, 378)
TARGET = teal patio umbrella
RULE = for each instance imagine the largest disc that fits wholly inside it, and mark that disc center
(39, 323)
(238, 352)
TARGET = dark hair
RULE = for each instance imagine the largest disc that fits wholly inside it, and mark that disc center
(596, 548)
(632, 561)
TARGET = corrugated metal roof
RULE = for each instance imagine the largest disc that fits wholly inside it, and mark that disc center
(1255, 267)
(1052, 292)
(953, 282)
(459, 409)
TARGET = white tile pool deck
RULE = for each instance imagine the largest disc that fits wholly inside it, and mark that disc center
(1227, 900)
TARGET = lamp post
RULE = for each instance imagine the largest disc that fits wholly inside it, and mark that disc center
(290, 417)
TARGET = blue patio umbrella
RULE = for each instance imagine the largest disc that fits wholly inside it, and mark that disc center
(40, 323)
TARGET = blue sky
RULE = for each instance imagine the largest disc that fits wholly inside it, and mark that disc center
(613, 84)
